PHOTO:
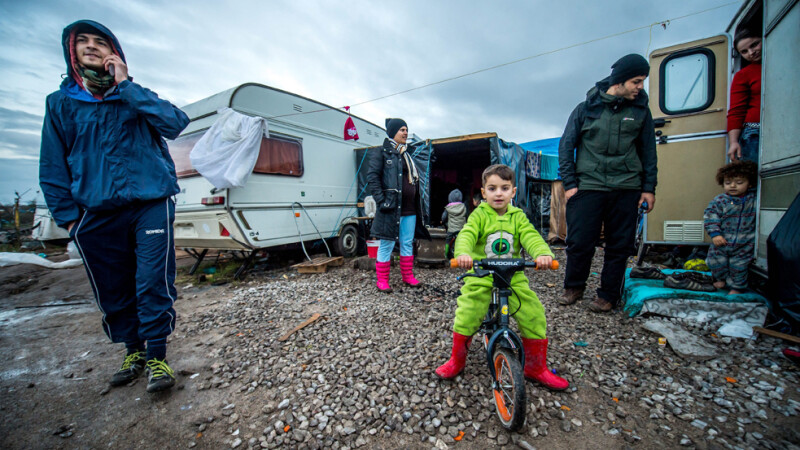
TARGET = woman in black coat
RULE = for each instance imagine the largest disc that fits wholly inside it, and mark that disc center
(393, 181)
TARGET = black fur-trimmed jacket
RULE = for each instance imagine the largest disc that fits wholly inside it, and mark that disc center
(385, 183)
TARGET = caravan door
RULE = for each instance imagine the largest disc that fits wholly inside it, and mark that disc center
(689, 100)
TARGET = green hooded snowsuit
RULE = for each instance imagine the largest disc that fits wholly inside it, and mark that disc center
(487, 235)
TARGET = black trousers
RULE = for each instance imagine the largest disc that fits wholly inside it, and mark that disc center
(589, 212)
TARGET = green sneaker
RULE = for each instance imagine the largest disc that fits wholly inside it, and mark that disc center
(159, 375)
(132, 367)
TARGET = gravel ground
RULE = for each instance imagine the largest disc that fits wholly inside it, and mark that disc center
(362, 376)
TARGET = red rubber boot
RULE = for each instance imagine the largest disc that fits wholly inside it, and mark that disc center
(458, 357)
(382, 270)
(407, 271)
(536, 365)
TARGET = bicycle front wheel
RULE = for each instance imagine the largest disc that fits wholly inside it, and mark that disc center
(509, 394)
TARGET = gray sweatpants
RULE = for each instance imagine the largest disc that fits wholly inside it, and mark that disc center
(729, 264)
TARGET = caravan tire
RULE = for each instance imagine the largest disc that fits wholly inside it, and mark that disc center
(347, 243)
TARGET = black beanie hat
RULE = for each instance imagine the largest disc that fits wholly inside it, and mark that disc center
(627, 67)
(393, 125)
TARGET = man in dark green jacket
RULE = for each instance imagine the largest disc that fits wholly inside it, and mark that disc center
(607, 160)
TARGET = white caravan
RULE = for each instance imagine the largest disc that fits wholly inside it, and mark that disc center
(305, 176)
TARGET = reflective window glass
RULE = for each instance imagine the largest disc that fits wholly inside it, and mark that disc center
(686, 83)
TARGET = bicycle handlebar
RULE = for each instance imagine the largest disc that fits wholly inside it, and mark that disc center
(553, 265)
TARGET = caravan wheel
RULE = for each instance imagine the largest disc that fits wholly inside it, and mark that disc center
(347, 242)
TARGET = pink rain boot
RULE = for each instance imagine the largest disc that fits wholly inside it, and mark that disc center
(407, 271)
(382, 270)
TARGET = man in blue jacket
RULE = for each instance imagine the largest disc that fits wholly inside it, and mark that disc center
(108, 178)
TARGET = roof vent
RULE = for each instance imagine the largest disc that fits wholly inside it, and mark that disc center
(297, 108)
(683, 230)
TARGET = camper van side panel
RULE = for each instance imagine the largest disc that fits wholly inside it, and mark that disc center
(780, 133)
(326, 190)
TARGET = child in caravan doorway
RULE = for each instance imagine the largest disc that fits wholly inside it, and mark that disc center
(730, 220)
(454, 217)
(499, 230)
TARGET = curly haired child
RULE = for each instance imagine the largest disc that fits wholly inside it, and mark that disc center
(730, 220)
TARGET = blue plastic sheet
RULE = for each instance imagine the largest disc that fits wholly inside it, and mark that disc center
(542, 159)
(639, 290)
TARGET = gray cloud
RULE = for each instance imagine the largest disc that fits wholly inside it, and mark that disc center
(344, 53)
(20, 133)
(18, 175)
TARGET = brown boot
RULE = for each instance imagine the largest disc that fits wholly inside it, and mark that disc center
(571, 295)
(600, 305)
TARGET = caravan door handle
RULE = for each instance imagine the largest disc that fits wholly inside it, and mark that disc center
(660, 122)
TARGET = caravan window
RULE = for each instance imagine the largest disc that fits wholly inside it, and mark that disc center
(179, 149)
(687, 81)
(278, 155)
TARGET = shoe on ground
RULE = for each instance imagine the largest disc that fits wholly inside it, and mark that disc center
(159, 375)
(695, 276)
(570, 296)
(600, 306)
(650, 273)
(691, 281)
(132, 367)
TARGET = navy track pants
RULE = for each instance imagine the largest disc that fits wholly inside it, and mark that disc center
(129, 255)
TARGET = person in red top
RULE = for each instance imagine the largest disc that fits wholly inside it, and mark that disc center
(744, 115)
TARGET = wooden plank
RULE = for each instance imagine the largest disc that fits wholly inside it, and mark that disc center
(312, 269)
(777, 334)
(466, 137)
(319, 265)
(308, 322)
(336, 261)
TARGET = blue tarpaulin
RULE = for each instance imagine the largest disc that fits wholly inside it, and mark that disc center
(639, 290)
(542, 159)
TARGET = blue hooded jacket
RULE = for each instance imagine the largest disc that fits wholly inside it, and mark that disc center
(104, 154)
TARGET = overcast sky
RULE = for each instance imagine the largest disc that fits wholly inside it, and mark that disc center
(343, 53)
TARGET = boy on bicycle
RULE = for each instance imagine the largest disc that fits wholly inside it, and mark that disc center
(499, 230)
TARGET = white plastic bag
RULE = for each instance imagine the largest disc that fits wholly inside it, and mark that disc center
(10, 259)
(227, 152)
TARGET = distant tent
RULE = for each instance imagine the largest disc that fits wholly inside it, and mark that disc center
(44, 226)
(542, 159)
(545, 190)
(455, 163)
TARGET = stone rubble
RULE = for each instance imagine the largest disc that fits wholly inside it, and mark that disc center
(363, 375)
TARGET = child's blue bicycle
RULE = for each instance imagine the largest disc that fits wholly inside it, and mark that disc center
(504, 353)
